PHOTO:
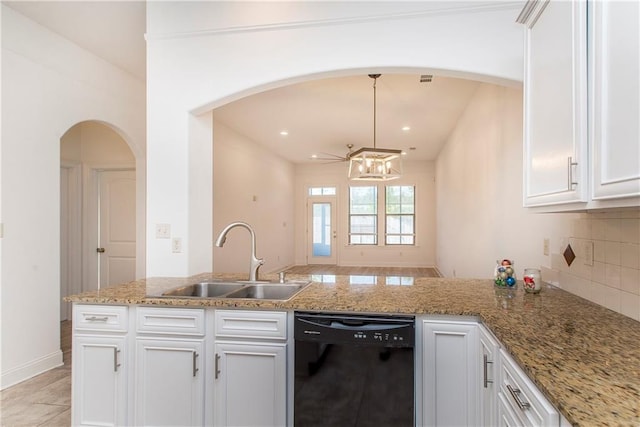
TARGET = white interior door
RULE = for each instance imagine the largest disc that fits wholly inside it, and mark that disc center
(117, 226)
(321, 231)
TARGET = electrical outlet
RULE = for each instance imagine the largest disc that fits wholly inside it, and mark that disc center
(545, 246)
(163, 231)
(587, 250)
(176, 245)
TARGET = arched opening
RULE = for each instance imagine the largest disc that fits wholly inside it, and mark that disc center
(97, 211)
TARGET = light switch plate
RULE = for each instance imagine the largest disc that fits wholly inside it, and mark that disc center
(163, 231)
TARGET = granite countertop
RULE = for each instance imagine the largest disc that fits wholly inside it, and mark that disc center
(583, 357)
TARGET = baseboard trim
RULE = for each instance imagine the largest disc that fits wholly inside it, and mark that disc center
(30, 369)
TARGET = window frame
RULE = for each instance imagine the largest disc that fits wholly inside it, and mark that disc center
(400, 216)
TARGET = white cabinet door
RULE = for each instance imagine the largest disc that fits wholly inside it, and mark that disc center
(250, 384)
(555, 103)
(99, 378)
(450, 373)
(614, 29)
(488, 378)
(169, 387)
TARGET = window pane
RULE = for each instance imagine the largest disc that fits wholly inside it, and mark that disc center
(363, 200)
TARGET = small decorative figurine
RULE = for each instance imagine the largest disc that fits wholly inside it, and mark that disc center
(504, 275)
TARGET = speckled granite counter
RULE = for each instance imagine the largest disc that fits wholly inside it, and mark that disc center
(584, 357)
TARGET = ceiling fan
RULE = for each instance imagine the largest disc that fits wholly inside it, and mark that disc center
(334, 158)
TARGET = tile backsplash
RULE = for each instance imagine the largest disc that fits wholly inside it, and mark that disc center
(607, 265)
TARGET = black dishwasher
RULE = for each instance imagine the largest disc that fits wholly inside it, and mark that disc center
(354, 370)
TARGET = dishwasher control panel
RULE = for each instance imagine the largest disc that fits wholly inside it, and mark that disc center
(384, 331)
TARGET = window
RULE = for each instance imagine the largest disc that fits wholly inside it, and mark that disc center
(322, 191)
(400, 215)
(363, 215)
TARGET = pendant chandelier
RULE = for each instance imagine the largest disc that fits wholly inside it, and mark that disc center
(375, 164)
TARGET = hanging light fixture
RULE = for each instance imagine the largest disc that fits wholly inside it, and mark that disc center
(375, 164)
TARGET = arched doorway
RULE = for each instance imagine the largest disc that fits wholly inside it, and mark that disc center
(97, 210)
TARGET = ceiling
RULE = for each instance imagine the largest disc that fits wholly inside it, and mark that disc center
(321, 117)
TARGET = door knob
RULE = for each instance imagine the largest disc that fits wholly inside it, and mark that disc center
(100, 250)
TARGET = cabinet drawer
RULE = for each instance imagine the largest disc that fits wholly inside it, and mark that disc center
(170, 321)
(111, 318)
(251, 324)
(534, 409)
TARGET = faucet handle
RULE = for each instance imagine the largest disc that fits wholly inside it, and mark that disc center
(281, 276)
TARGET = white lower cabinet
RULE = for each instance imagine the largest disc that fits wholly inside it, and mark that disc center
(250, 387)
(450, 373)
(520, 401)
(489, 361)
(99, 366)
(250, 368)
(169, 387)
(169, 384)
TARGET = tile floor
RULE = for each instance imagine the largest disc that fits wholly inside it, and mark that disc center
(45, 400)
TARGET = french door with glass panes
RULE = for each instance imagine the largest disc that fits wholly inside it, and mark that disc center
(321, 231)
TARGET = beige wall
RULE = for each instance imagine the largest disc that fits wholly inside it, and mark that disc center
(252, 185)
(97, 144)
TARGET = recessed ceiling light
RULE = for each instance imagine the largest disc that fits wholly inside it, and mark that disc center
(284, 133)
(314, 156)
(404, 153)
(406, 128)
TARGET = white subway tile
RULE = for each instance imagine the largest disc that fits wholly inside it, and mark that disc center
(612, 253)
(630, 305)
(599, 250)
(599, 294)
(612, 230)
(630, 280)
(597, 229)
(630, 255)
(582, 228)
(598, 273)
(630, 230)
(612, 275)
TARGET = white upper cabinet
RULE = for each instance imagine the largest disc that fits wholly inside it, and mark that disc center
(555, 90)
(614, 65)
(581, 109)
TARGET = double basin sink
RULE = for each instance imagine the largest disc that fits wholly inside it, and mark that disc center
(245, 290)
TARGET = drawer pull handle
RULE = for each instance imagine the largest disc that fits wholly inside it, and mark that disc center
(116, 365)
(195, 363)
(97, 318)
(515, 393)
(217, 367)
(570, 166)
(486, 362)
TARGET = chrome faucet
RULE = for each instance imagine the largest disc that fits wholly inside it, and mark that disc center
(255, 262)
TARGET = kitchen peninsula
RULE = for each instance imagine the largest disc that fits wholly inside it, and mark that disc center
(584, 358)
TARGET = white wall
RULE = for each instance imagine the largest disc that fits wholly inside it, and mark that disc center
(48, 85)
(253, 185)
(202, 55)
(479, 192)
(420, 174)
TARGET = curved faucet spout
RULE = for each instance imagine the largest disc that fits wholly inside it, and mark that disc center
(255, 262)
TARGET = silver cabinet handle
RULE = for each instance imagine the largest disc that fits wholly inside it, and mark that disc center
(486, 362)
(96, 318)
(217, 367)
(195, 363)
(116, 365)
(515, 393)
(570, 165)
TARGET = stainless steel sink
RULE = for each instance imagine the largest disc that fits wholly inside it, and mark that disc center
(271, 291)
(246, 290)
(204, 290)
